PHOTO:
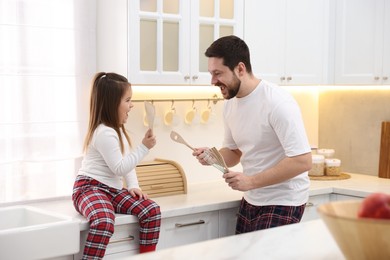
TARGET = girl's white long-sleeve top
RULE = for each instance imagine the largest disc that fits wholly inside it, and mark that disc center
(105, 163)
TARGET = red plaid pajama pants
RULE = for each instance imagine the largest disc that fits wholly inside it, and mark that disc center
(251, 218)
(99, 203)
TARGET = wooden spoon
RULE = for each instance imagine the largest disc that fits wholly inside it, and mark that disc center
(150, 113)
(177, 138)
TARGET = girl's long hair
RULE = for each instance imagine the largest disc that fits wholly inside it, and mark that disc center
(106, 94)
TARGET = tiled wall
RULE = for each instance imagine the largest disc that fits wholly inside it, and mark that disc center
(350, 122)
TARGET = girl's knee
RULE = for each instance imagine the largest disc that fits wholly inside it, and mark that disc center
(155, 210)
(103, 224)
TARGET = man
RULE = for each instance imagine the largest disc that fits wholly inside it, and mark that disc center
(264, 132)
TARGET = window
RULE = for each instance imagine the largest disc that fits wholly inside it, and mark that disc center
(47, 60)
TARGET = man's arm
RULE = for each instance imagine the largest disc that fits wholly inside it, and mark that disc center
(231, 157)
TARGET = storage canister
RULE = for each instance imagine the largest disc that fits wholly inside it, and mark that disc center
(328, 153)
(318, 163)
(332, 167)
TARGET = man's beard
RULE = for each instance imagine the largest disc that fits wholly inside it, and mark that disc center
(234, 88)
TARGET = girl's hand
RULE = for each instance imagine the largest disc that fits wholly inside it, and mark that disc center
(149, 140)
(138, 193)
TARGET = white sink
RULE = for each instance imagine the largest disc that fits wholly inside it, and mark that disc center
(31, 233)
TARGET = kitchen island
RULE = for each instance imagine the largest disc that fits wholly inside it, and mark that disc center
(307, 240)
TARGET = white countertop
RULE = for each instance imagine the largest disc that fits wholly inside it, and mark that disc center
(308, 240)
(216, 195)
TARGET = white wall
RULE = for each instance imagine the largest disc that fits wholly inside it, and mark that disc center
(199, 134)
(112, 56)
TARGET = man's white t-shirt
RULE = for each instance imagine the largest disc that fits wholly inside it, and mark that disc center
(267, 126)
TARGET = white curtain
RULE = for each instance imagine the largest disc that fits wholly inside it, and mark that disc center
(47, 59)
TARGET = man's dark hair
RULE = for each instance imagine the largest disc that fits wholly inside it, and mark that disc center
(232, 50)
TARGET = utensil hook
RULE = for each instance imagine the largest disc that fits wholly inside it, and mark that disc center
(173, 105)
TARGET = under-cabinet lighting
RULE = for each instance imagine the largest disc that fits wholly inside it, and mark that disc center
(175, 92)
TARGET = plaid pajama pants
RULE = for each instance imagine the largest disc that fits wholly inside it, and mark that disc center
(251, 218)
(99, 203)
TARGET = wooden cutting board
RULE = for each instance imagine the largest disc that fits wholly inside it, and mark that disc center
(384, 154)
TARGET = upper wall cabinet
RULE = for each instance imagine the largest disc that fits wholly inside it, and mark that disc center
(362, 49)
(288, 40)
(168, 38)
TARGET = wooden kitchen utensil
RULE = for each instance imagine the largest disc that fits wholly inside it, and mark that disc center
(150, 113)
(384, 155)
(214, 157)
(220, 159)
(177, 138)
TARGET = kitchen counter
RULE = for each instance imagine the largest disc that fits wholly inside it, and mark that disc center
(216, 195)
(307, 240)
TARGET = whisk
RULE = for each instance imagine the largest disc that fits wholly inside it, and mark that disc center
(214, 158)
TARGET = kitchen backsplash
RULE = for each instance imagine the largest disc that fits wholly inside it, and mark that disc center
(209, 134)
(346, 119)
(350, 122)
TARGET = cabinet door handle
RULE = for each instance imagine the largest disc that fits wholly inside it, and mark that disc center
(309, 204)
(282, 78)
(376, 78)
(195, 77)
(129, 238)
(385, 78)
(200, 222)
(289, 78)
(186, 77)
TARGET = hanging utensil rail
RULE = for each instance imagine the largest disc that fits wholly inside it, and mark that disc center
(214, 99)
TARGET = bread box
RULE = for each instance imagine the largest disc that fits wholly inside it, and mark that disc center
(161, 177)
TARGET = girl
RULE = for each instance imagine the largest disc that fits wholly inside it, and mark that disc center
(98, 191)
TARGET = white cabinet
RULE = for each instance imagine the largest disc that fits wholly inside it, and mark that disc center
(338, 197)
(288, 40)
(188, 229)
(316, 200)
(167, 39)
(362, 42)
(227, 222)
(124, 242)
(311, 206)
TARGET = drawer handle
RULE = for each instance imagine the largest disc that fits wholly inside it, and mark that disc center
(129, 238)
(200, 222)
(309, 204)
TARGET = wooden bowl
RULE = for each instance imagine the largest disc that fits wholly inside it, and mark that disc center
(358, 238)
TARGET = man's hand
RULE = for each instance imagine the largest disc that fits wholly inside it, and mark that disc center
(238, 181)
(201, 155)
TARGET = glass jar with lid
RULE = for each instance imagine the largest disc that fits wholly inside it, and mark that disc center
(332, 167)
(328, 153)
(318, 164)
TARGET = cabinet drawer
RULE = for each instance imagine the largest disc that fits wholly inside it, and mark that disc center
(337, 197)
(227, 222)
(311, 206)
(125, 238)
(187, 229)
